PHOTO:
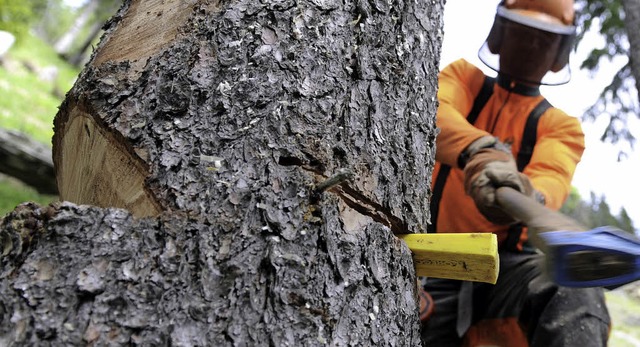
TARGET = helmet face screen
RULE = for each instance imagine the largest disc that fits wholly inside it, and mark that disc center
(528, 51)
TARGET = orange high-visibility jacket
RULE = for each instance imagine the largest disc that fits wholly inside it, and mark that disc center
(559, 145)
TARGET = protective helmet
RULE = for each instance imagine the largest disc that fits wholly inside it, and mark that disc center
(531, 40)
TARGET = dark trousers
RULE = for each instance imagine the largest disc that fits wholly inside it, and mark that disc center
(538, 311)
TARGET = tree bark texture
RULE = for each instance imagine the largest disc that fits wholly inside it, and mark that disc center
(216, 125)
(80, 275)
(631, 24)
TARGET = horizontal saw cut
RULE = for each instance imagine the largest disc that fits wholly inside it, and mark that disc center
(458, 256)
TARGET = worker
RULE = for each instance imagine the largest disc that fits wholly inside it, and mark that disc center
(502, 132)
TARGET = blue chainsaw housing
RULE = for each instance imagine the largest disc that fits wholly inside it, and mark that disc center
(602, 257)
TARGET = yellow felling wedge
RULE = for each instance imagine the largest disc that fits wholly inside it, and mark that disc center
(459, 256)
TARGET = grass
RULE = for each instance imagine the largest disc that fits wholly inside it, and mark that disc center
(625, 316)
(29, 102)
(13, 193)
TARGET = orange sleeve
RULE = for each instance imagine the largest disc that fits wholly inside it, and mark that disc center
(557, 152)
(458, 85)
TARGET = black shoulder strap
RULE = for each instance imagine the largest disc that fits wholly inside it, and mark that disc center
(481, 99)
(530, 133)
(478, 104)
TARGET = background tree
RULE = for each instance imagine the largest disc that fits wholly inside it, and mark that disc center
(618, 22)
(595, 212)
(631, 25)
(72, 31)
(64, 43)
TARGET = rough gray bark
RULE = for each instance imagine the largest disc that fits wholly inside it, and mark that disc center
(79, 275)
(235, 122)
(28, 161)
(631, 24)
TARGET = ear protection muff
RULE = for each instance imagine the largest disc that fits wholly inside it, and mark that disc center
(562, 59)
(495, 35)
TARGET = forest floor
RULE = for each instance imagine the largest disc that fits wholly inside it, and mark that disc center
(624, 307)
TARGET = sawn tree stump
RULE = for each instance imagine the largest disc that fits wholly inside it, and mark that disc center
(203, 133)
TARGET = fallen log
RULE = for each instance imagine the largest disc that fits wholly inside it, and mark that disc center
(27, 160)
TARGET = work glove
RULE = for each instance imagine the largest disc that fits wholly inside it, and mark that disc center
(490, 165)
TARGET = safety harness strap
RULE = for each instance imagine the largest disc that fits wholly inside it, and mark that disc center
(481, 99)
(524, 155)
(530, 133)
(529, 137)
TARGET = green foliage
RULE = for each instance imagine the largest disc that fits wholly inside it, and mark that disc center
(29, 103)
(595, 213)
(619, 100)
(625, 313)
(16, 16)
(55, 20)
(73, 31)
(611, 26)
(107, 9)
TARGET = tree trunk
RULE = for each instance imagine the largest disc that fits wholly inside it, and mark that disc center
(631, 24)
(83, 52)
(220, 124)
(63, 45)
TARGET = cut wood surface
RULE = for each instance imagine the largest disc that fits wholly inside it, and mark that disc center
(98, 169)
(27, 160)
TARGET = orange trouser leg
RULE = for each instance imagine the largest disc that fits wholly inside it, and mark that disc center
(505, 332)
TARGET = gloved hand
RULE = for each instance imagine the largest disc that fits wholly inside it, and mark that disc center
(489, 166)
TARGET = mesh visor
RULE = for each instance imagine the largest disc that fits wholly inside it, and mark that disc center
(528, 49)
